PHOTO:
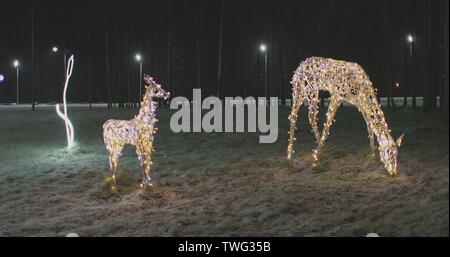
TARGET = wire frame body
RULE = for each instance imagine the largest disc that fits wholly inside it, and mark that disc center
(139, 132)
(345, 81)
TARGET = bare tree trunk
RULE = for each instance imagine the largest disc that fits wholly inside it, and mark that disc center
(32, 56)
(89, 65)
(270, 90)
(282, 86)
(183, 56)
(426, 56)
(199, 51)
(446, 42)
(414, 75)
(169, 49)
(107, 68)
(219, 64)
(387, 66)
(406, 78)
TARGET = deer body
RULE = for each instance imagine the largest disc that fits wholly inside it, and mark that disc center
(345, 81)
(138, 131)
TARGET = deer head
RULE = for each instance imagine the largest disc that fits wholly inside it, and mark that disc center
(388, 151)
(155, 89)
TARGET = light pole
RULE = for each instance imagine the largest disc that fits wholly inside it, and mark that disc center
(410, 40)
(55, 50)
(16, 65)
(138, 58)
(263, 49)
(55, 90)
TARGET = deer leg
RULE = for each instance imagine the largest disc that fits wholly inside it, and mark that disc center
(332, 108)
(370, 132)
(113, 162)
(312, 115)
(297, 103)
(141, 158)
(144, 153)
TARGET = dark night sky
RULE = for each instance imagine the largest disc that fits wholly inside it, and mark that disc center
(372, 33)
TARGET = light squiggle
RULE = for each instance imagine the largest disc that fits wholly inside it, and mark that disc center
(69, 127)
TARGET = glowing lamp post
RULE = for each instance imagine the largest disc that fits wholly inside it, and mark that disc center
(138, 58)
(410, 40)
(55, 50)
(16, 65)
(263, 49)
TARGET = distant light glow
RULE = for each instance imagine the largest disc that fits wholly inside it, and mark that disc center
(16, 63)
(397, 85)
(2, 77)
(138, 57)
(55, 49)
(262, 47)
(410, 39)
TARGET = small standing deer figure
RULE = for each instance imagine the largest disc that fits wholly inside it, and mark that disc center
(138, 131)
(345, 81)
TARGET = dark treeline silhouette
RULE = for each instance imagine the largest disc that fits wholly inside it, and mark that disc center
(214, 45)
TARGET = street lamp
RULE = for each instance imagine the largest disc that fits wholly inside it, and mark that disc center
(55, 50)
(410, 41)
(16, 65)
(410, 38)
(263, 49)
(138, 58)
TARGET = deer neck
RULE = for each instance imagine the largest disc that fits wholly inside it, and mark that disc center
(148, 109)
(375, 118)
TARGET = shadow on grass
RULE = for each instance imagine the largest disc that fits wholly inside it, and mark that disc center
(126, 183)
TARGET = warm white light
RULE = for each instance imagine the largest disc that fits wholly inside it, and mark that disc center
(138, 57)
(16, 63)
(69, 127)
(139, 131)
(263, 48)
(55, 49)
(410, 39)
(313, 75)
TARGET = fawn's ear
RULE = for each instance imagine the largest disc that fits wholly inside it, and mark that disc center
(399, 140)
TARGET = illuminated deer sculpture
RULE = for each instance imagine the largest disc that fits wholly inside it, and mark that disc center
(345, 81)
(138, 131)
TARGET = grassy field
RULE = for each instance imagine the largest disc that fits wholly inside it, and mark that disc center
(221, 184)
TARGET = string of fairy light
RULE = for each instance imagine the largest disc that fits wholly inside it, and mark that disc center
(345, 81)
(138, 131)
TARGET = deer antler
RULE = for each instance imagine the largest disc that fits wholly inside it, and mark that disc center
(149, 80)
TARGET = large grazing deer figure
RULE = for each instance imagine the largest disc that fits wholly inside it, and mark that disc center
(138, 131)
(345, 81)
